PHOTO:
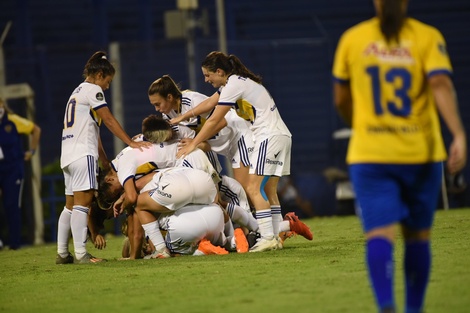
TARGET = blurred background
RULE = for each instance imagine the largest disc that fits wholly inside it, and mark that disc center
(45, 45)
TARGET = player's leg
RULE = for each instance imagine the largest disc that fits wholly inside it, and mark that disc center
(378, 195)
(11, 194)
(422, 188)
(83, 183)
(146, 204)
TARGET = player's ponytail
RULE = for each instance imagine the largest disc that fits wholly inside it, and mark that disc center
(164, 86)
(98, 63)
(230, 64)
(392, 17)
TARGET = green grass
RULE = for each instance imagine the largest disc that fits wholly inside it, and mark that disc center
(324, 275)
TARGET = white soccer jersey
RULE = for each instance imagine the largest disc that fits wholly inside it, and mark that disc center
(133, 163)
(81, 123)
(253, 103)
(189, 100)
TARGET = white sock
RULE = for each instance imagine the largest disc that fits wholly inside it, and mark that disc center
(265, 223)
(284, 226)
(277, 217)
(228, 229)
(242, 217)
(63, 232)
(152, 230)
(78, 223)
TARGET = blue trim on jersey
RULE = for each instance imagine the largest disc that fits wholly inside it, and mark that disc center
(91, 166)
(244, 157)
(441, 71)
(340, 80)
(228, 103)
(397, 193)
(100, 106)
(261, 157)
(132, 176)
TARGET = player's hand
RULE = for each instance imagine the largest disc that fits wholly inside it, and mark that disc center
(457, 154)
(117, 206)
(140, 145)
(176, 120)
(185, 149)
(100, 242)
(28, 155)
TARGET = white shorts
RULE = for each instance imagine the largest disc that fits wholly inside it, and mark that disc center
(187, 226)
(81, 175)
(272, 156)
(231, 191)
(178, 186)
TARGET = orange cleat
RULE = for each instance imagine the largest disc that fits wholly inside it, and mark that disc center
(297, 226)
(240, 241)
(206, 247)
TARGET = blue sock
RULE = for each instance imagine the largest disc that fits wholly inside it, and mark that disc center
(417, 269)
(379, 257)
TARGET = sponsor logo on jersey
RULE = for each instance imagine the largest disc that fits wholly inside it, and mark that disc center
(274, 162)
(163, 187)
(99, 96)
(67, 137)
(383, 52)
(276, 154)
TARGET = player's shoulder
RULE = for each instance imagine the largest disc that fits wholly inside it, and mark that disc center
(421, 27)
(362, 28)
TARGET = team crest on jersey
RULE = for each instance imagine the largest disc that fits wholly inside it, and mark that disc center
(99, 96)
(442, 48)
(8, 128)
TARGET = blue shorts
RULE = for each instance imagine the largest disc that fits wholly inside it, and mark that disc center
(396, 193)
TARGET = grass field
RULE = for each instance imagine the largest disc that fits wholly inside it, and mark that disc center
(324, 275)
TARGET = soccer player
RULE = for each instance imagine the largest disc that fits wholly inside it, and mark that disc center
(392, 77)
(12, 158)
(232, 137)
(241, 89)
(81, 148)
(132, 164)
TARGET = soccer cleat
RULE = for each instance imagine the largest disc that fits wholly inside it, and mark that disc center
(67, 260)
(280, 243)
(206, 247)
(89, 259)
(297, 226)
(240, 241)
(264, 244)
(163, 254)
(252, 238)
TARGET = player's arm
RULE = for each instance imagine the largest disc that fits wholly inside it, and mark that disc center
(113, 125)
(446, 101)
(35, 136)
(103, 158)
(207, 131)
(130, 195)
(203, 107)
(343, 101)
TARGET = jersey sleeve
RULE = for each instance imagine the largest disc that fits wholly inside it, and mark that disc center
(435, 57)
(23, 126)
(127, 166)
(232, 91)
(96, 98)
(340, 65)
